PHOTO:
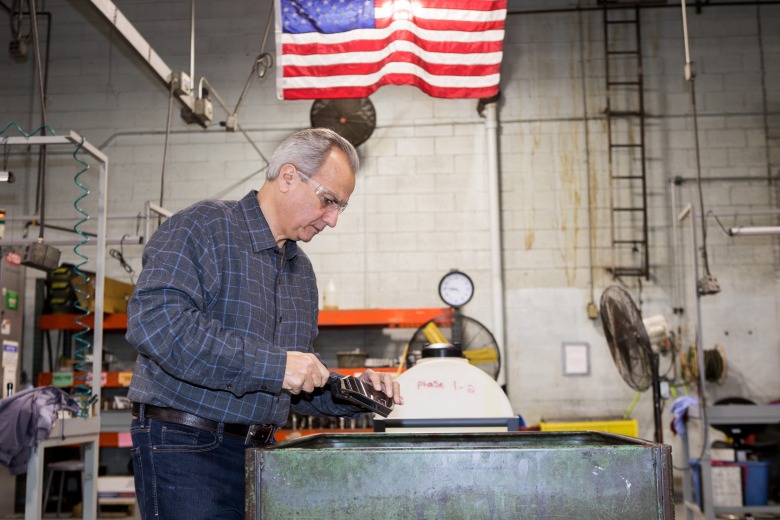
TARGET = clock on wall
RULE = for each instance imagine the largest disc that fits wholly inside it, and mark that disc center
(456, 288)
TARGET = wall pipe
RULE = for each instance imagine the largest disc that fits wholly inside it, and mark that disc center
(753, 178)
(754, 231)
(192, 40)
(114, 241)
(629, 5)
(531, 120)
(496, 247)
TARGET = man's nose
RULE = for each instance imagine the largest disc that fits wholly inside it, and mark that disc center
(331, 218)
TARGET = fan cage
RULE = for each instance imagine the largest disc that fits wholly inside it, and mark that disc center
(478, 344)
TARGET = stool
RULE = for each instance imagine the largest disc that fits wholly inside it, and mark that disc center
(63, 467)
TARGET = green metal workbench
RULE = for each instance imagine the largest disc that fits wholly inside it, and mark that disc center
(539, 475)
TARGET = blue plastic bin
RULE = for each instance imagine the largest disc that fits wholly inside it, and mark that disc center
(696, 474)
(755, 482)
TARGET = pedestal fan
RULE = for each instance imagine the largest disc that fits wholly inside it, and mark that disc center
(475, 340)
(630, 347)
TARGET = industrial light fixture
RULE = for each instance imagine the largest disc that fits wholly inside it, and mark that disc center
(7, 176)
(754, 231)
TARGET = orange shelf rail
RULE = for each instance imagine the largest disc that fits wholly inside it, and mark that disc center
(379, 318)
(115, 321)
(348, 318)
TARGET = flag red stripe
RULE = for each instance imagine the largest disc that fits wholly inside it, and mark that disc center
(349, 69)
(447, 25)
(465, 5)
(391, 79)
(378, 45)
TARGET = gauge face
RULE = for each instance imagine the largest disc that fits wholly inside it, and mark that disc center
(456, 289)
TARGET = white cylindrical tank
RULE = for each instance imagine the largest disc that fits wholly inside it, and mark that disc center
(441, 387)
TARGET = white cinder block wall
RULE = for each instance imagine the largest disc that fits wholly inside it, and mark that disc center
(421, 203)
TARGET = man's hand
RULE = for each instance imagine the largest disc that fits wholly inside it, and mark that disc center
(383, 381)
(304, 373)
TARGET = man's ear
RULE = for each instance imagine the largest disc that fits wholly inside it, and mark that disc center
(286, 176)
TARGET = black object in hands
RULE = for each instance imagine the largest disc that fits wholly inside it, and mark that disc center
(361, 394)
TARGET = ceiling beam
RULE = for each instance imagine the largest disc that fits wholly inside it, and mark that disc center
(115, 17)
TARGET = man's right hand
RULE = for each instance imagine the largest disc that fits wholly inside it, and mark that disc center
(304, 373)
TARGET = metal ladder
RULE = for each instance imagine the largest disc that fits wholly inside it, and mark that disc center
(625, 114)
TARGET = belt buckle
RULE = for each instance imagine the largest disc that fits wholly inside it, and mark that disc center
(259, 434)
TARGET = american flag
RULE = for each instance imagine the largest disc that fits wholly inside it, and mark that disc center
(350, 48)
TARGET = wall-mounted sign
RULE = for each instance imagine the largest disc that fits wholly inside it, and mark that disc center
(11, 300)
(10, 354)
(575, 359)
(62, 379)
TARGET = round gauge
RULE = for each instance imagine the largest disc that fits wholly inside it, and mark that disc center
(456, 288)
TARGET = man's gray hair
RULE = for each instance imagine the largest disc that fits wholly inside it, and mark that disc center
(308, 149)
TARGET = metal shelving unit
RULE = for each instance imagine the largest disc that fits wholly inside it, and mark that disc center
(716, 415)
(70, 431)
(113, 423)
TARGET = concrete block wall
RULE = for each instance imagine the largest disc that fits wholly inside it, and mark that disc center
(421, 205)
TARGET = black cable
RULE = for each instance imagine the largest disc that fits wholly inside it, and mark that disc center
(47, 338)
(672, 364)
(262, 59)
(42, 93)
(713, 364)
(719, 223)
(119, 255)
(165, 149)
(704, 259)
(15, 12)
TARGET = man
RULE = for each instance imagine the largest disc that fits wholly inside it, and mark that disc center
(223, 317)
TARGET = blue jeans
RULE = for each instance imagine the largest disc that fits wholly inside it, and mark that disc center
(185, 473)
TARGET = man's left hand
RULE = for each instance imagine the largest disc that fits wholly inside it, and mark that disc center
(383, 381)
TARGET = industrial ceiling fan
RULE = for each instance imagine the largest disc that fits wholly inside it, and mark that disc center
(353, 119)
(630, 347)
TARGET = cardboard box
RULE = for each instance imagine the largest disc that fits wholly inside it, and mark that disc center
(726, 486)
(115, 294)
(65, 288)
(722, 454)
(116, 490)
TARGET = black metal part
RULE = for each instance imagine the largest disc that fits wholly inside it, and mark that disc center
(437, 350)
(364, 395)
(41, 256)
(512, 423)
(659, 427)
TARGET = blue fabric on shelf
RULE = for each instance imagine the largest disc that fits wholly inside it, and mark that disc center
(680, 411)
(27, 417)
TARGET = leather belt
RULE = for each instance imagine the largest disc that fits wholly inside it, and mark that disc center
(257, 434)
